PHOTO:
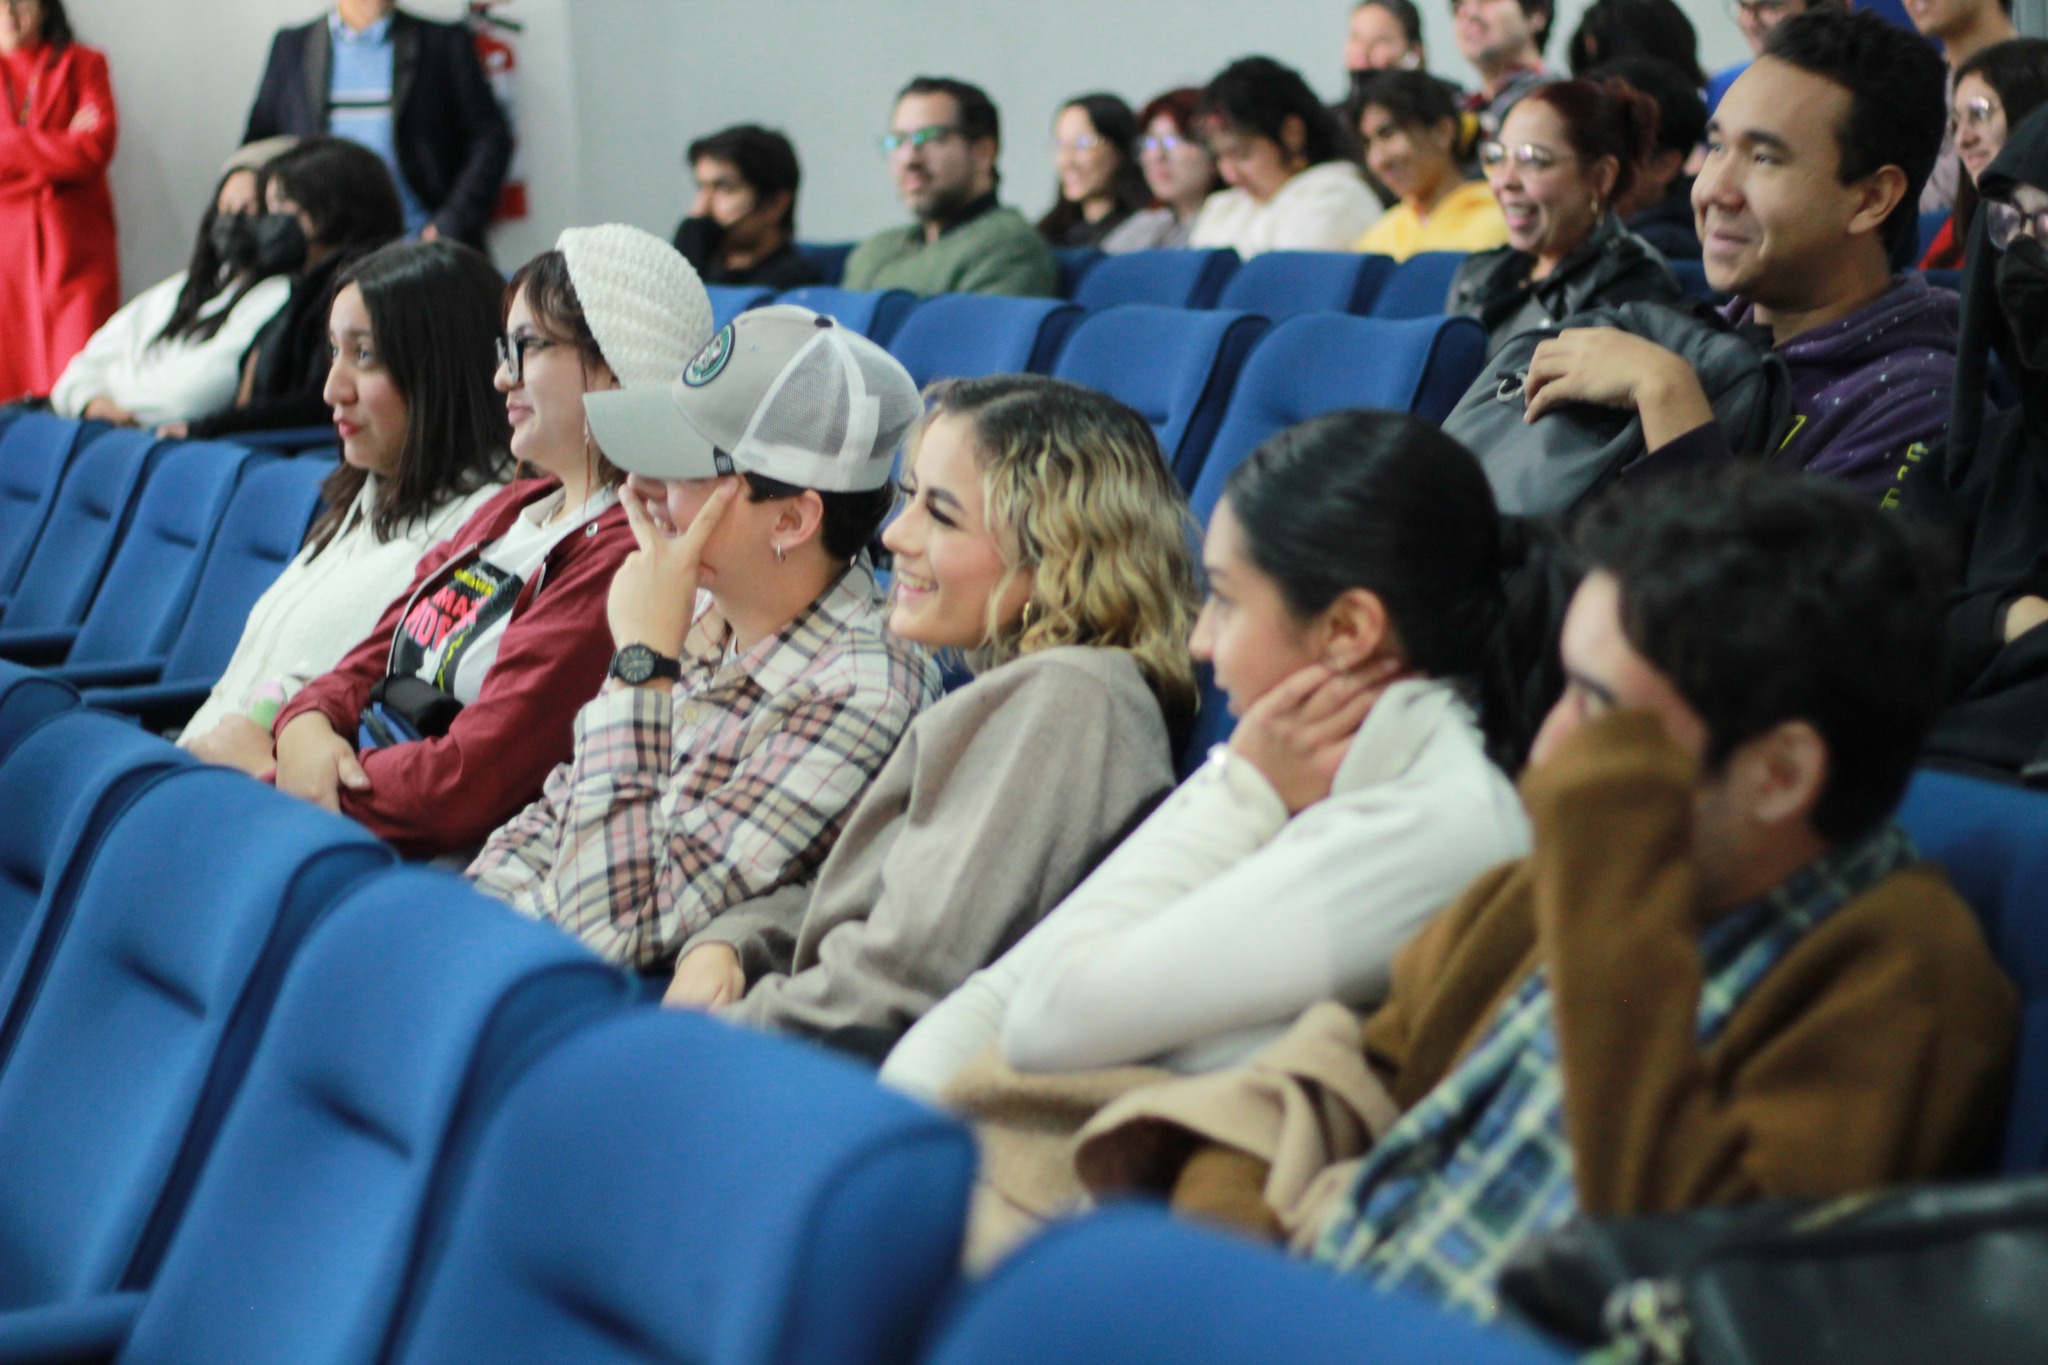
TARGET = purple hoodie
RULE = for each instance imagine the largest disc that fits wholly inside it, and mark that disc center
(1869, 387)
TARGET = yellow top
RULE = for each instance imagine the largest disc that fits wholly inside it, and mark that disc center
(1466, 219)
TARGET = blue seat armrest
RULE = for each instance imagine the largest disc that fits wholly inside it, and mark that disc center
(37, 647)
(285, 438)
(158, 705)
(84, 1330)
(113, 673)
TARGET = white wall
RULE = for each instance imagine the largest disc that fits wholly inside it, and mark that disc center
(611, 90)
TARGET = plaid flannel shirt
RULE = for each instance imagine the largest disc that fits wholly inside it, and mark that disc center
(1482, 1164)
(681, 802)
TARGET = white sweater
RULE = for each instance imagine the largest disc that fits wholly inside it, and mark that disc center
(1324, 208)
(1220, 919)
(318, 609)
(172, 382)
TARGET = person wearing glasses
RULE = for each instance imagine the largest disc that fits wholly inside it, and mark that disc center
(942, 144)
(1756, 19)
(1567, 152)
(1095, 146)
(1417, 142)
(447, 716)
(1988, 486)
(59, 262)
(1963, 28)
(1178, 170)
(1992, 93)
(742, 224)
(1282, 153)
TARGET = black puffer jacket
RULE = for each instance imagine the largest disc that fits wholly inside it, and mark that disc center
(1611, 267)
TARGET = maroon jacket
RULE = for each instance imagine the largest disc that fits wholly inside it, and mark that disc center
(446, 795)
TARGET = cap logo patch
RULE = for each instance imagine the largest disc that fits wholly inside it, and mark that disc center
(710, 360)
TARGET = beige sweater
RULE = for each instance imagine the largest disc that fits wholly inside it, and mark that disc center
(999, 800)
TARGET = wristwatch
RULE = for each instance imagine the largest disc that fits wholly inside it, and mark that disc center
(636, 664)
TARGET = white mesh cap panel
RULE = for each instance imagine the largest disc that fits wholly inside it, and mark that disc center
(834, 417)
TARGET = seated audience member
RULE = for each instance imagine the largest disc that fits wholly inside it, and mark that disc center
(1567, 153)
(742, 224)
(1383, 35)
(1658, 207)
(1963, 28)
(942, 145)
(325, 202)
(1282, 155)
(1619, 30)
(174, 351)
(1992, 93)
(1504, 41)
(1095, 144)
(1044, 540)
(720, 759)
(1721, 975)
(1812, 172)
(423, 446)
(410, 89)
(1414, 142)
(1989, 486)
(1178, 170)
(447, 717)
(1756, 19)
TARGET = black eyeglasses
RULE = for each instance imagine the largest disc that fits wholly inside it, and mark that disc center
(2004, 221)
(513, 349)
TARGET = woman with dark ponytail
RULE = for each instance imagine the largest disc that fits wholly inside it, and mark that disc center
(1356, 604)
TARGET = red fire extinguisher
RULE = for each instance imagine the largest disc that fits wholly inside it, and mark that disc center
(497, 47)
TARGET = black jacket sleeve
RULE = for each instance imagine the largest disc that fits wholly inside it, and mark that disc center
(476, 138)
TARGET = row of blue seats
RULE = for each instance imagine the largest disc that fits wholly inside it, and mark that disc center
(265, 1096)
(128, 564)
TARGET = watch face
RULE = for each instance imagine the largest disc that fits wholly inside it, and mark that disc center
(634, 664)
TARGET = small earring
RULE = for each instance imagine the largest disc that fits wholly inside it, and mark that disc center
(780, 557)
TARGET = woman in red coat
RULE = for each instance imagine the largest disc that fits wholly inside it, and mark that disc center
(59, 270)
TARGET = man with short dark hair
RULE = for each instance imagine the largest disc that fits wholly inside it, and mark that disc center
(742, 224)
(1504, 40)
(942, 144)
(1814, 165)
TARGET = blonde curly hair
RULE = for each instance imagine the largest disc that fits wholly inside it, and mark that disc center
(1079, 497)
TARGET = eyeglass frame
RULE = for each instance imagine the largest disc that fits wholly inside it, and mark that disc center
(1086, 142)
(513, 348)
(1493, 152)
(917, 139)
(1979, 111)
(1167, 145)
(2004, 219)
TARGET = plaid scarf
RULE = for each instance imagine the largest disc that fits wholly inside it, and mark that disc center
(1482, 1164)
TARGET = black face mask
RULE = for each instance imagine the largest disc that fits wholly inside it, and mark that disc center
(278, 242)
(233, 242)
(2023, 298)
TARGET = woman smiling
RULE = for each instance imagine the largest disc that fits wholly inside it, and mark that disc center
(1414, 139)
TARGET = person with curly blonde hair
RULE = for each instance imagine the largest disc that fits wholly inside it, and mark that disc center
(1043, 542)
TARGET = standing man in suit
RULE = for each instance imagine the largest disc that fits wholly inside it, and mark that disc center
(411, 90)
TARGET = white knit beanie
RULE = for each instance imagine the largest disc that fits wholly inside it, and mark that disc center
(643, 301)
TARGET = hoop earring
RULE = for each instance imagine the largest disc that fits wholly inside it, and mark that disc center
(1028, 615)
(780, 557)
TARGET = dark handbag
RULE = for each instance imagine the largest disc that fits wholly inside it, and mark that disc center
(404, 708)
(1929, 1273)
(1550, 466)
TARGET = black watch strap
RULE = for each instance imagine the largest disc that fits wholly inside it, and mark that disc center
(636, 664)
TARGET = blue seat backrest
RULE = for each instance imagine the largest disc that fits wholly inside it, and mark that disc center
(1185, 278)
(1176, 366)
(1324, 362)
(33, 453)
(86, 520)
(1419, 286)
(1692, 278)
(666, 1187)
(1951, 280)
(728, 301)
(827, 258)
(148, 585)
(1134, 1286)
(965, 336)
(1075, 262)
(874, 313)
(260, 532)
(136, 1031)
(61, 787)
(1280, 284)
(1992, 841)
(27, 699)
(1212, 726)
(408, 1014)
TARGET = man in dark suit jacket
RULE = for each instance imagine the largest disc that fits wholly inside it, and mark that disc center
(450, 138)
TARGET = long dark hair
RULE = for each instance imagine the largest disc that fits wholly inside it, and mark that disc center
(344, 188)
(433, 310)
(57, 26)
(1257, 95)
(2017, 72)
(1388, 503)
(1116, 125)
(207, 276)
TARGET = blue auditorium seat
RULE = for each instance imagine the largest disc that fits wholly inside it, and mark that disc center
(668, 1187)
(261, 532)
(1133, 1286)
(286, 440)
(86, 520)
(1212, 726)
(965, 336)
(1951, 280)
(874, 313)
(34, 451)
(1419, 286)
(147, 990)
(1692, 277)
(28, 698)
(407, 1015)
(149, 584)
(1931, 225)
(1280, 284)
(1324, 362)
(827, 258)
(1190, 277)
(1176, 366)
(728, 301)
(1075, 262)
(1992, 840)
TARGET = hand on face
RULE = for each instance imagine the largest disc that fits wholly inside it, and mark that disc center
(1298, 733)
(654, 593)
